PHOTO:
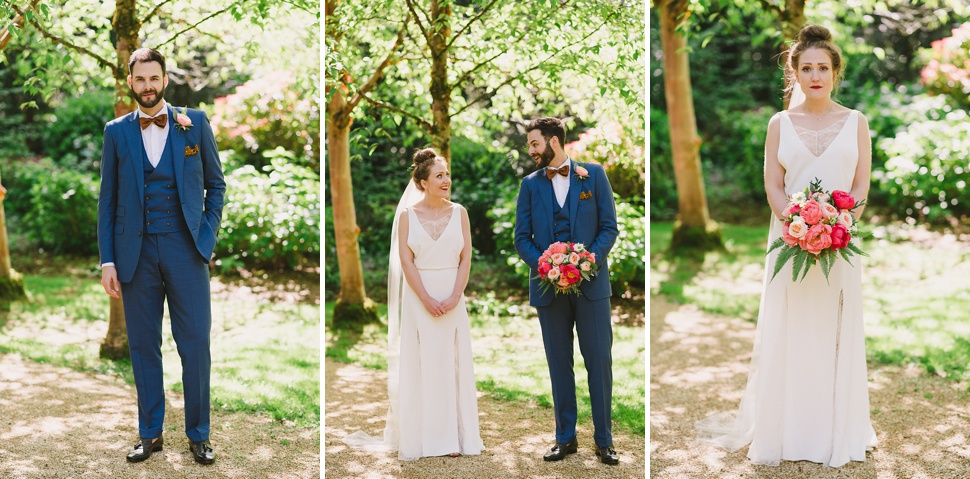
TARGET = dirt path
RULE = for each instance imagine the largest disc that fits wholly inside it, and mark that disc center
(60, 423)
(515, 435)
(698, 366)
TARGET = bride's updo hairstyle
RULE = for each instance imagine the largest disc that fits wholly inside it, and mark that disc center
(813, 36)
(421, 164)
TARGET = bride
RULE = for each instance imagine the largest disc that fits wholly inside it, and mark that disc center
(807, 396)
(431, 383)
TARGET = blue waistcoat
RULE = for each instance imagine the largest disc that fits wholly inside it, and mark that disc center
(163, 210)
(560, 220)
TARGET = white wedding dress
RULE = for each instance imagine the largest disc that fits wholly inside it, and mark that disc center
(431, 383)
(807, 395)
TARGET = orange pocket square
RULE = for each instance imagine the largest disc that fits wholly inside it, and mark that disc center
(585, 195)
(191, 150)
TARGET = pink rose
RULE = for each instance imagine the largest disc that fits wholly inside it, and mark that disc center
(183, 119)
(574, 258)
(797, 228)
(845, 218)
(829, 211)
(585, 266)
(553, 273)
(817, 239)
(840, 236)
(811, 212)
(843, 200)
(582, 173)
(793, 209)
(558, 258)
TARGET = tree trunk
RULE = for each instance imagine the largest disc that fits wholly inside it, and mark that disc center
(440, 89)
(792, 20)
(11, 284)
(695, 230)
(353, 308)
(126, 27)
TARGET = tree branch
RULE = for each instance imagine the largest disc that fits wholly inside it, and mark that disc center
(220, 12)
(61, 41)
(18, 21)
(155, 11)
(494, 91)
(772, 7)
(469, 24)
(417, 19)
(421, 121)
(465, 75)
(379, 71)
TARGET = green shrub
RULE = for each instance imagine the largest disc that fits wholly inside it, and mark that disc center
(270, 218)
(628, 258)
(946, 71)
(74, 137)
(925, 176)
(52, 208)
(619, 150)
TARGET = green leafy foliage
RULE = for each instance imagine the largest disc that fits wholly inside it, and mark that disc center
(270, 216)
(628, 258)
(948, 70)
(74, 136)
(53, 208)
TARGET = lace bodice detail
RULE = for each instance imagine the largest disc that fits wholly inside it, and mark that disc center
(817, 141)
(434, 228)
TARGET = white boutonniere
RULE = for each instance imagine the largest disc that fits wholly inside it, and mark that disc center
(182, 121)
(581, 173)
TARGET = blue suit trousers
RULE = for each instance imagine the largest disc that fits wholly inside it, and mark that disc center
(170, 267)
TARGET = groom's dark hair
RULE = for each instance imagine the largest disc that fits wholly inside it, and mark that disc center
(548, 127)
(145, 55)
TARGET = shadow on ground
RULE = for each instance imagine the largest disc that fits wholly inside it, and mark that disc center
(59, 423)
(699, 366)
(516, 435)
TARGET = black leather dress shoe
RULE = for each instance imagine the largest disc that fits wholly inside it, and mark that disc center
(607, 455)
(559, 451)
(203, 452)
(144, 449)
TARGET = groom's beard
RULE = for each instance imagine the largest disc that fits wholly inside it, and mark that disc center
(159, 95)
(545, 157)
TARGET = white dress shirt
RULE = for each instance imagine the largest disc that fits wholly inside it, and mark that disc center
(153, 137)
(560, 184)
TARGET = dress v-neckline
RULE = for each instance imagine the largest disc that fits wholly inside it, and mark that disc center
(802, 142)
(423, 228)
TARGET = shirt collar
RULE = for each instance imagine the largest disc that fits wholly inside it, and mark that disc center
(142, 114)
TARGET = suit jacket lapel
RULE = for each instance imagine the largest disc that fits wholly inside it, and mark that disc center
(136, 150)
(176, 140)
(573, 196)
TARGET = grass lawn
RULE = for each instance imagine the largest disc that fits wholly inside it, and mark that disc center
(916, 287)
(510, 361)
(265, 353)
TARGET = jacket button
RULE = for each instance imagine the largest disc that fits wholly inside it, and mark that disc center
(149, 223)
(168, 224)
(168, 197)
(168, 186)
(168, 211)
(139, 233)
(146, 197)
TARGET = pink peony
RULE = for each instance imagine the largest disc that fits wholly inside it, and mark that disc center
(817, 239)
(789, 239)
(563, 283)
(560, 247)
(843, 200)
(544, 268)
(840, 236)
(570, 273)
(811, 212)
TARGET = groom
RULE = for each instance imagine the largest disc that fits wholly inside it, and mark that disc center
(159, 210)
(568, 202)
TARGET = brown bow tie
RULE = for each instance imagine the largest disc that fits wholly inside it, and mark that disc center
(159, 120)
(562, 171)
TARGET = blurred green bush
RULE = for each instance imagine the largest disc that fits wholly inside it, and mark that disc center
(74, 136)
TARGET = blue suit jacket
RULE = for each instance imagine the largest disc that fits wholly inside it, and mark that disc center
(592, 222)
(198, 178)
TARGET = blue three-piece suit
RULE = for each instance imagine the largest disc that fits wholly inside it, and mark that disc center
(158, 225)
(588, 216)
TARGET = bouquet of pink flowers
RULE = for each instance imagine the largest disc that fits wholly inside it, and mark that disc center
(564, 266)
(818, 228)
